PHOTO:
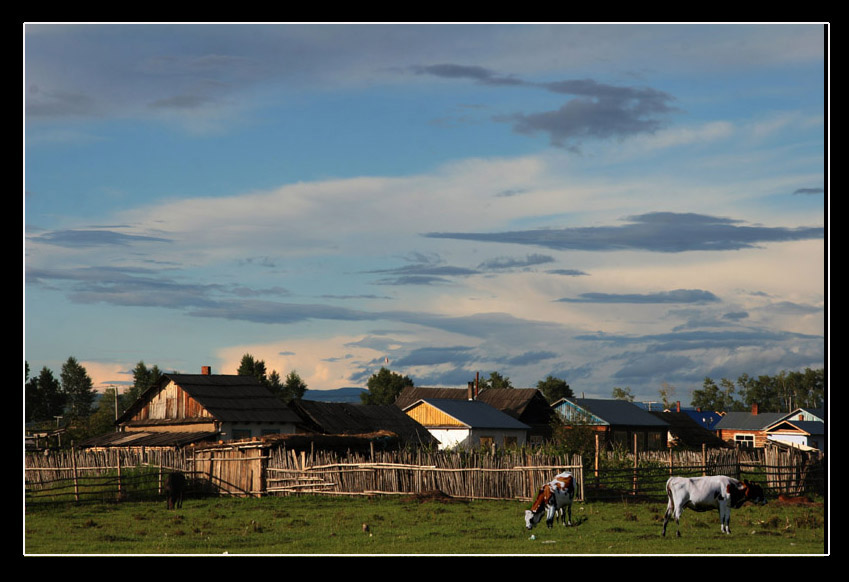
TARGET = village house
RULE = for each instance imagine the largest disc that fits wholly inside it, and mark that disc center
(747, 429)
(182, 409)
(619, 422)
(527, 405)
(467, 423)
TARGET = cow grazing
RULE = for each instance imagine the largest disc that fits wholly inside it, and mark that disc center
(708, 493)
(175, 484)
(553, 497)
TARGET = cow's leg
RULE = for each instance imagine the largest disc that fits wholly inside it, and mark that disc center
(670, 508)
(724, 517)
(568, 514)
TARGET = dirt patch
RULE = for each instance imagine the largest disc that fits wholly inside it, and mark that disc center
(431, 495)
(802, 501)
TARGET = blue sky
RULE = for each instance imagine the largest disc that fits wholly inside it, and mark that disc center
(616, 205)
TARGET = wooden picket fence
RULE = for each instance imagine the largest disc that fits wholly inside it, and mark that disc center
(256, 469)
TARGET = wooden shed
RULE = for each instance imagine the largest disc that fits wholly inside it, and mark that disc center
(224, 407)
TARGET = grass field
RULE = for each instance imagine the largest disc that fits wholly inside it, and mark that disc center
(408, 526)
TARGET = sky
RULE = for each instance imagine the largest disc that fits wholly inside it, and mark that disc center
(637, 206)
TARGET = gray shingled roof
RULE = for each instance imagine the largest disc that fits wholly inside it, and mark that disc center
(748, 421)
(474, 413)
(229, 398)
(346, 418)
(618, 412)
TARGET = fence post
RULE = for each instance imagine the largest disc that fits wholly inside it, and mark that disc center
(596, 459)
(671, 462)
(74, 465)
(635, 465)
(118, 464)
(704, 459)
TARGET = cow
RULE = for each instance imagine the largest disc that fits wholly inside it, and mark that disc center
(708, 493)
(175, 484)
(553, 497)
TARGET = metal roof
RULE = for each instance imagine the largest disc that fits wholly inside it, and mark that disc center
(148, 439)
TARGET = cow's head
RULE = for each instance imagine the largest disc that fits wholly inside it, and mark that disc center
(754, 493)
(534, 514)
(746, 491)
(533, 517)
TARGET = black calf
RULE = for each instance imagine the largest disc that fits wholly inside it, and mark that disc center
(175, 484)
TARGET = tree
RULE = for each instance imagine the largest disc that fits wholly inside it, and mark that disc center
(495, 380)
(712, 397)
(43, 397)
(253, 367)
(294, 387)
(78, 388)
(554, 389)
(667, 394)
(102, 419)
(384, 387)
(623, 394)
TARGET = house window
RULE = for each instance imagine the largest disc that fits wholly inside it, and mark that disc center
(745, 440)
(510, 441)
(487, 441)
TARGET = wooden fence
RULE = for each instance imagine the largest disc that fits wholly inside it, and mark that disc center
(463, 474)
(255, 469)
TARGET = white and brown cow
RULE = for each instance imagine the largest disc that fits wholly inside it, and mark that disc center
(709, 493)
(553, 497)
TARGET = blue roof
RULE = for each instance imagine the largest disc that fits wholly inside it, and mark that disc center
(706, 419)
(474, 413)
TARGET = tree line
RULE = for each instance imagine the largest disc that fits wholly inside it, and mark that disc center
(782, 392)
(385, 385)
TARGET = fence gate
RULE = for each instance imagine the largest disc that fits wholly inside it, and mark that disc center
(235, 470)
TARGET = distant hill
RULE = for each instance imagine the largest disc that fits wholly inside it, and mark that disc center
(350, 395)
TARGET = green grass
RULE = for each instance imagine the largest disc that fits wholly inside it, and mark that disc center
(406, 526)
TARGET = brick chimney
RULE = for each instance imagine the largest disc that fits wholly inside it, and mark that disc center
(677, 406)
(755, 408)
(470, 393)
(206, 370)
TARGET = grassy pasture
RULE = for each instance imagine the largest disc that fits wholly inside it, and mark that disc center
(422, 525)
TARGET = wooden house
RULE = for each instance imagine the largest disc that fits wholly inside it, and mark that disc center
(747, 429)
(467, 423)
(191, 408)
(341, 418)
(618, 421)
(527, 405)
